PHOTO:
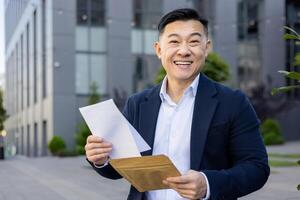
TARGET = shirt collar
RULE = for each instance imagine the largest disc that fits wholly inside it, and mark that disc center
(193, 87)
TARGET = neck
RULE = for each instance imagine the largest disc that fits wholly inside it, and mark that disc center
(175, 89)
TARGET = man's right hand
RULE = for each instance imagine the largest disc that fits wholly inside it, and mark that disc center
(97, 150)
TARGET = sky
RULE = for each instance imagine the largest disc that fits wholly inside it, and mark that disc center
(2, 43)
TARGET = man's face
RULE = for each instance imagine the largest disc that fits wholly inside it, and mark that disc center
(182, 48)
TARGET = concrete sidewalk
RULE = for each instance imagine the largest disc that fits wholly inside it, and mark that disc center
(49, 178)
(283, 181)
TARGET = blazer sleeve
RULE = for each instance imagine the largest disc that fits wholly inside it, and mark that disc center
(250, 169)
(108, 171)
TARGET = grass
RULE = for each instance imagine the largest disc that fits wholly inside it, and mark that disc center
(282, 163)
(279, 155)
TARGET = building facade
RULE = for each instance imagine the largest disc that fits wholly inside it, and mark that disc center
(55, 50)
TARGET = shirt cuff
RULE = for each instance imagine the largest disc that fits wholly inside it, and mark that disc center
(207, 188)
(101, 166)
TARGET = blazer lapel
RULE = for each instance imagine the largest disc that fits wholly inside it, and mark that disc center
(148, 117)
(204, 109)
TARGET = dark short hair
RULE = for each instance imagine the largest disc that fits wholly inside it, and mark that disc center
(182, 14)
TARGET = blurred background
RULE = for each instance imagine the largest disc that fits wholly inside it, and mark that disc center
(60, 55)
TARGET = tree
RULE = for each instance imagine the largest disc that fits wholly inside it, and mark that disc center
(293, 35)
(94, 95)
(3, 115)
(215, 68)
(291, 75)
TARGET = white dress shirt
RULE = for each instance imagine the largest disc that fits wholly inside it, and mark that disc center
(173, 135)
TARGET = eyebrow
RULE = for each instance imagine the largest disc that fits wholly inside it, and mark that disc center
(193, 34)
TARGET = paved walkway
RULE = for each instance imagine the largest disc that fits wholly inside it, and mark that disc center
(49, 178)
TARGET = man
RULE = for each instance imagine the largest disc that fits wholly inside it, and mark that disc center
(210, 132)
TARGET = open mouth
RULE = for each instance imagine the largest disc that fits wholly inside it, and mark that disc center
(183, 64)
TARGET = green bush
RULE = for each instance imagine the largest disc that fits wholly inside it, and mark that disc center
(80, 138)
(80, 150)
(271, 133)
(83, 130)
(56, 144)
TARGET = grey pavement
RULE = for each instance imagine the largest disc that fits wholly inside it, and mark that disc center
(49, 178)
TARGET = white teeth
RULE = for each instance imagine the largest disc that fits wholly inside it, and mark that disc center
(182, 62)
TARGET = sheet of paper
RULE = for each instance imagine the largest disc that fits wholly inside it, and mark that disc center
(106, 121)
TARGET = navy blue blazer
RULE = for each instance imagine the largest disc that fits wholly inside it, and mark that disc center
(226, 144)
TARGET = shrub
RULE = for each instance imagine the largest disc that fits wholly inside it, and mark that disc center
(80, 150)
(56, 144)
(271, 133)
(80, 138)
(83, 130)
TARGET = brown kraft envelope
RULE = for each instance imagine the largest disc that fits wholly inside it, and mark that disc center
(146, 172)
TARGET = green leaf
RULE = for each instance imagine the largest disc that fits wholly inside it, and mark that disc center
(298, 162)
(292, 75)
(297, 42)
(292, 30)
(297, 60)
(284, 89)
(289, 36)
(298, 187)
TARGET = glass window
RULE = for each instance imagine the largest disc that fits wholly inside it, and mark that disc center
(98, 39)
(147, 13)
(249, 54)
(91, 12)
(90, 68)
(150, 38)
(82, 73)
(34, 57)
(248, 18)
(252, 24)
(81, 38)
(136, 41)
(97, 12)
(98, 72)
(82, 12)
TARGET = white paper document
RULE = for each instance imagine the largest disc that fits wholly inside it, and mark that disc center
(106, 121)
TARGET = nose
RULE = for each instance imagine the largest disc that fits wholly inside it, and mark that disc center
(184, 50)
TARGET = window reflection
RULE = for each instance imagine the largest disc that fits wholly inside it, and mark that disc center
(90, 46)
(146, 15)
(249, 51)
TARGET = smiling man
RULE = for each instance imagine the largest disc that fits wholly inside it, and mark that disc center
(210, 132)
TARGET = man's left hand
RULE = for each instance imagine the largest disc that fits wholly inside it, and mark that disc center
(192, 185)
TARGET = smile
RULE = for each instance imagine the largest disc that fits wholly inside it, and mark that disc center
(183, 62)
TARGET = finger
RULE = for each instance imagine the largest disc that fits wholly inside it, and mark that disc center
(93, 138)
(185, 186)
(179, 186)
(179, 179)
(91, 146)
(98, 151)
(186, 193)
(97, 158)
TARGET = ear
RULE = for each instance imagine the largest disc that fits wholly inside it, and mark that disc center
(157, 49)
(207, 47)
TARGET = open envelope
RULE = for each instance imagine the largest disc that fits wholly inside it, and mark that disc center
(147, 172)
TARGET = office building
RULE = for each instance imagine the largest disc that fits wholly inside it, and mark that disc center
(56, 49)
